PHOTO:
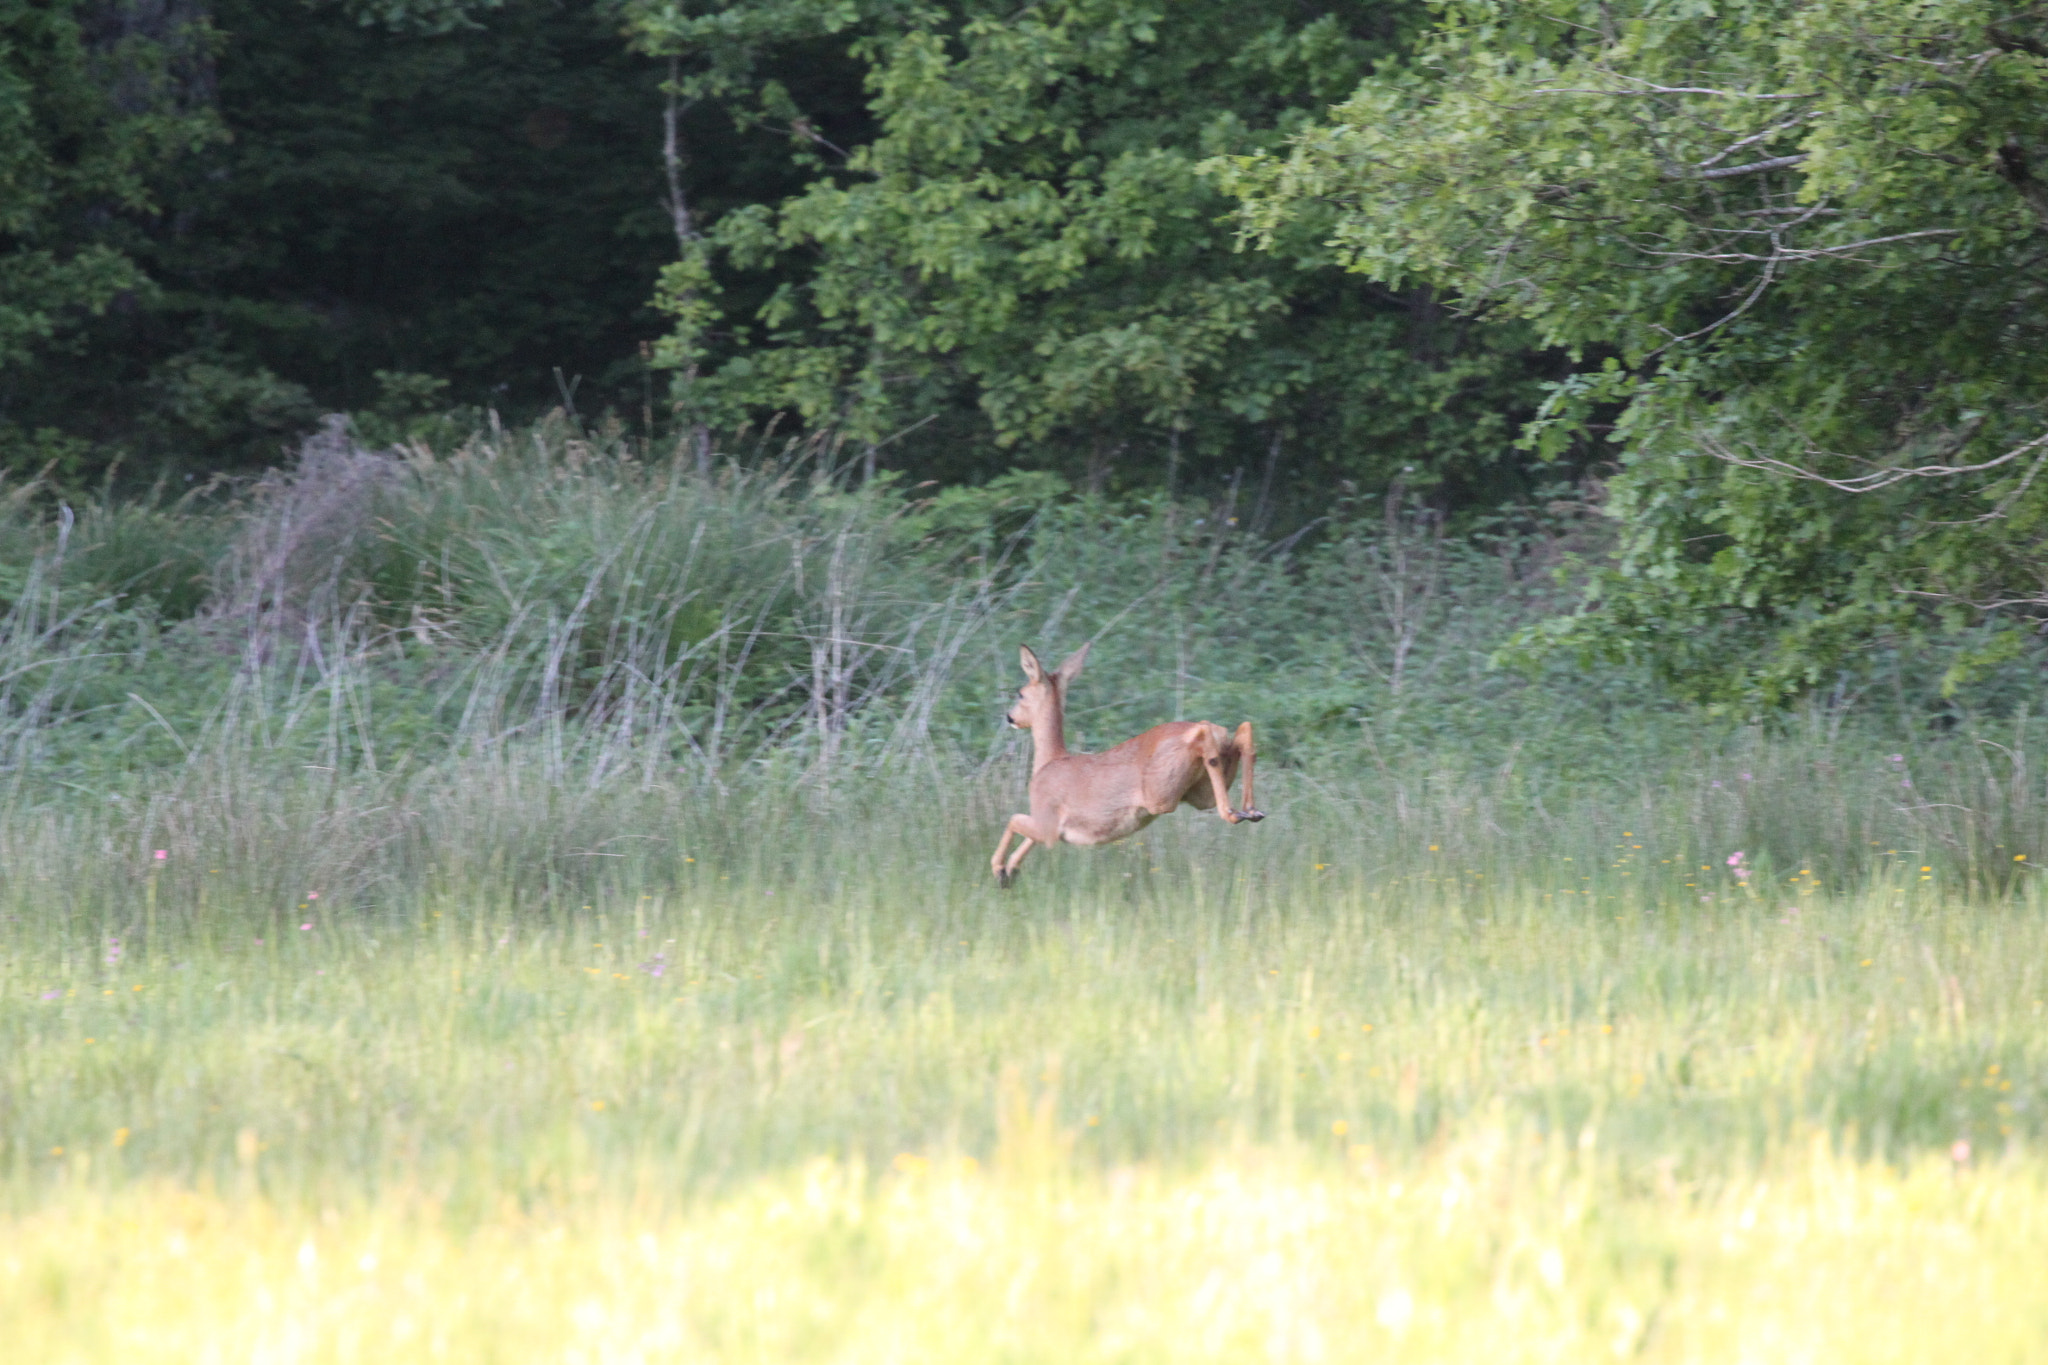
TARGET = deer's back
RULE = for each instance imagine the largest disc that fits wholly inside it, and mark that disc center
(1100, 797)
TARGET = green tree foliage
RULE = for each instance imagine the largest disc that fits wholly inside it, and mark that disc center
(94, 99)
(981, 227)
(1800, 247)
(1020, 252)
(398, 193)
(418, 16)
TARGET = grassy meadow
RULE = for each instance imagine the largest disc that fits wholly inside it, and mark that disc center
(410, 950)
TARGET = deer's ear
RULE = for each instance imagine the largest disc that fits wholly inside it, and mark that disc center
(1034, 671)
(1070, 667)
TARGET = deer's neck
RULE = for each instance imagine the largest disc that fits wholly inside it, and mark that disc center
(1049, 734)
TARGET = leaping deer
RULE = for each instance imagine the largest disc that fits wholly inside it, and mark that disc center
(1099, 798)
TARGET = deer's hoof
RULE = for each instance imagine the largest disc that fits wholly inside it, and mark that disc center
(1003, 879)
(1252, 815)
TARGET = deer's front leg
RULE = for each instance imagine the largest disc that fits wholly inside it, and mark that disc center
(1020, 827)
(995, 863)
(1210, 750)
(1246, 751)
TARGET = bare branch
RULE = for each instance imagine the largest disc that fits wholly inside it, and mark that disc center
(2015, 169)
(1994, 604)
(1763, 282)
(672, 162)
(1754, 167)
(803, 128)
(1754, 138)
(1876, 479)
(1814, 253)
(2019, 490)
(1650, 89)
(2005, 40)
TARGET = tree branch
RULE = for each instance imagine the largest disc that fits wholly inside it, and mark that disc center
(2014, 170)
(672, 162)
(2005, 40)
(1754, 138)
(1764, 279)
(1651, 89)
(1877, 479)
(1815, 253)
(1754, 167)
(803, 128)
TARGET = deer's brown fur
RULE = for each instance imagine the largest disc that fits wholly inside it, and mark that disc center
(1097, 798)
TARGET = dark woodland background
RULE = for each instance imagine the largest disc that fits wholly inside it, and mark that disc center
(1741, 320)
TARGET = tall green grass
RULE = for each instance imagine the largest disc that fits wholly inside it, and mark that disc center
(1398, 1100)
(548, 631)
(856, 990)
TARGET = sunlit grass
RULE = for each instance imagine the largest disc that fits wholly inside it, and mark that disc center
(1487, 1248)
(1288, 1093)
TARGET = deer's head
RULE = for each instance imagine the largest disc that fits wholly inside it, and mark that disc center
(1044, 691)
